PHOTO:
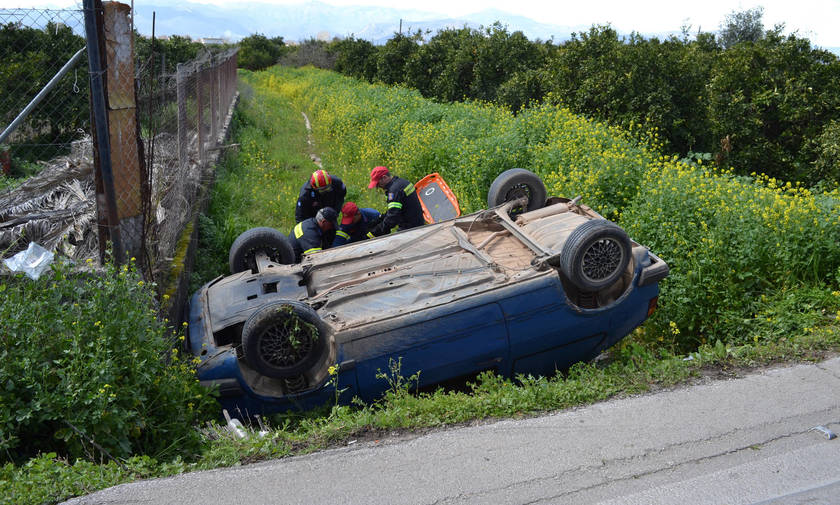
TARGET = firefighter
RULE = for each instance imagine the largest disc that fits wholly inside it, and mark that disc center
(320, 191)
(355, 223)
(314, 233)
(404, 209)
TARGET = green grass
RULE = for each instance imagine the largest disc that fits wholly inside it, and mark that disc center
(258, 184)
(358, 126)
(631, 368)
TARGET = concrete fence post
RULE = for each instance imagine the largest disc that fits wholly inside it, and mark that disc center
(109, 226)
(122, 121)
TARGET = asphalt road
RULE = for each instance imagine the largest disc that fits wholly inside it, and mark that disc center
(742, 441)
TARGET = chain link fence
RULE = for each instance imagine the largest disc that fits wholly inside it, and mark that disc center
(34, 46)
(164, 132)
(184, 117)
(44, 112)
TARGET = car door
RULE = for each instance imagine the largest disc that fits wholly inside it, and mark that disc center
(546, 334)
(440, 346)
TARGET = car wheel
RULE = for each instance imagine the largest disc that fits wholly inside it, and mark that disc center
(595, 254)
(249, 243)
(284, 339)
(514, 183)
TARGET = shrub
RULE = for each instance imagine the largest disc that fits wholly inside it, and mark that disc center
(86, 367)
(740, 250)
(827, 147)
(257, 51)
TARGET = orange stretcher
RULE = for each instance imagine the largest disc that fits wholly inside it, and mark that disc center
(438, 201)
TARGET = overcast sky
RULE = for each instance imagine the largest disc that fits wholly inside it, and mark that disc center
(815, 19)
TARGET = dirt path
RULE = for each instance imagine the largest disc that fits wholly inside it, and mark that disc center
(314, 157)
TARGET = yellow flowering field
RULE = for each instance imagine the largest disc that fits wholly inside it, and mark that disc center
(751, 257)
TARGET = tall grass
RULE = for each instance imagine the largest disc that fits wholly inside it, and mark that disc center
(258, 184)
(84, 358)
(742, 250)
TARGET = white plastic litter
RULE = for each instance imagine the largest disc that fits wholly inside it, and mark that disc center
(234, 425)
(825, 431)
(34, 261)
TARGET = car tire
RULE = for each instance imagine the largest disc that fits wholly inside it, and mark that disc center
(512, 184)
(595, 254)
(284, 339)
(262, 239)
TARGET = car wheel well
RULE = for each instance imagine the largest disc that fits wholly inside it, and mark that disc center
(284, 339)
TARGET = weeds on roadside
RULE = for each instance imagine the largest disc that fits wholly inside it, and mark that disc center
(398, 386)
(89, 371)
(743, 251)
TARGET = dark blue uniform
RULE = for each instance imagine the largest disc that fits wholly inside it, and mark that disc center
(403, 208)
(355, 232)
(310, 200)
(307, 237)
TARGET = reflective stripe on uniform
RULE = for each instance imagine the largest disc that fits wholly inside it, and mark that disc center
(370, 235)
(394, 205)
(342, 234)
(409, 189)
(311, 250)
(299, 230)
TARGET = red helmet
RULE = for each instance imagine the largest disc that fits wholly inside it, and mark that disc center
(320, 179)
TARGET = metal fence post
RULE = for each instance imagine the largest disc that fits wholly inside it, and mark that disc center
(223, 82)
(183, 127)
(199, 109)
(100, 117)
(214, 103)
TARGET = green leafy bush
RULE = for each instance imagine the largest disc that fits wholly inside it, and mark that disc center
(257, 51)
(355, 57)
(87, 368)
(749, 257)
(827, 147)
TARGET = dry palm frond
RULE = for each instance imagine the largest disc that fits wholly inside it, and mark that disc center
(55, 208)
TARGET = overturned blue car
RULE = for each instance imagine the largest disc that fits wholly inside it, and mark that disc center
(529, 286)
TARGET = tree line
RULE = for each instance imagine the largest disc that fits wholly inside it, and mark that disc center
(25, 53)
(747, 97)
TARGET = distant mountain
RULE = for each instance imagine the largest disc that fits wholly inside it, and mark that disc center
(314, 19)
(317, 19)
(532, 29)
(379, 33)
(292, 22)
